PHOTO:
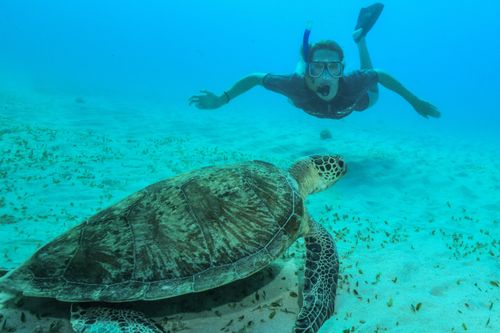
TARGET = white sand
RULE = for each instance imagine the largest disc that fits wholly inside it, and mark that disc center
(416, 218)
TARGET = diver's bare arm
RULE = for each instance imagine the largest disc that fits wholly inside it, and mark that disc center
(391, 83)
(208, 100)
(242, 86)
(424, 108)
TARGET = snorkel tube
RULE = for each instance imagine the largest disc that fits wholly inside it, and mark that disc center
(323, 90)
(305, 42)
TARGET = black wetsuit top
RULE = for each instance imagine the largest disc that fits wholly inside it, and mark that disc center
(352, 93)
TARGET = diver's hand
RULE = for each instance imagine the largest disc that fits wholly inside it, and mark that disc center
(207, 100)
(426, 109)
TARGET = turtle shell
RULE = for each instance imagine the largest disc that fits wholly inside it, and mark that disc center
(185, 234)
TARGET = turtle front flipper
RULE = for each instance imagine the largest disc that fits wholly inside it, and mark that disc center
(320, 280)
(110, 320)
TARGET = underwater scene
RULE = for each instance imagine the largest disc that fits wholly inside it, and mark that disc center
(249, 166)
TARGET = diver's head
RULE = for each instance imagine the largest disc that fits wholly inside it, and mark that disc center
(324, 68)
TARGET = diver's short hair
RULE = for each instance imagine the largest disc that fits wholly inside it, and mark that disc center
(325, 45)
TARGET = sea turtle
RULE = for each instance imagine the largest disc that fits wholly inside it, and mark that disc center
(185, 234)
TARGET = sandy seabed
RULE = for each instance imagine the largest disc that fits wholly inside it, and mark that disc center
(416, 219)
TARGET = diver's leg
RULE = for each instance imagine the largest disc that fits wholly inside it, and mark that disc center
(366, 63)
(364, 57)
(366, 19)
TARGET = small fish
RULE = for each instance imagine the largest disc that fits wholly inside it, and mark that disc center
(389, 302)
(417, 307)
(276, 304)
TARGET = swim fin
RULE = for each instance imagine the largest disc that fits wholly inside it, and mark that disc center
(367, 18)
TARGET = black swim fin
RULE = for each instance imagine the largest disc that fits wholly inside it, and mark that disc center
(367, 18)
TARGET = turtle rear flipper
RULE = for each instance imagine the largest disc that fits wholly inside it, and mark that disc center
(6, 295)
(320, 280)
(110, 320)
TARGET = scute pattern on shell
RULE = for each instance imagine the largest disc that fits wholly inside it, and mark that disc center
(188, 233)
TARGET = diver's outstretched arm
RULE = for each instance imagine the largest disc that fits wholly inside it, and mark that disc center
(208, 100)
(425, 109)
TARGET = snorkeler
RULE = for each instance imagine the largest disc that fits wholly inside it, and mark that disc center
(320, 87)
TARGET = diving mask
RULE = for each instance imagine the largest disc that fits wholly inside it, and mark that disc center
(334, 68)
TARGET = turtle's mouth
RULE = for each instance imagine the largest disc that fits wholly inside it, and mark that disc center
(323, 90)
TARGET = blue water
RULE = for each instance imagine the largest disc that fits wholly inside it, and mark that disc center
(102, 88)
(445, 51)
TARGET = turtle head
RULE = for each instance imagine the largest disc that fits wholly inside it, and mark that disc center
(317, 172)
